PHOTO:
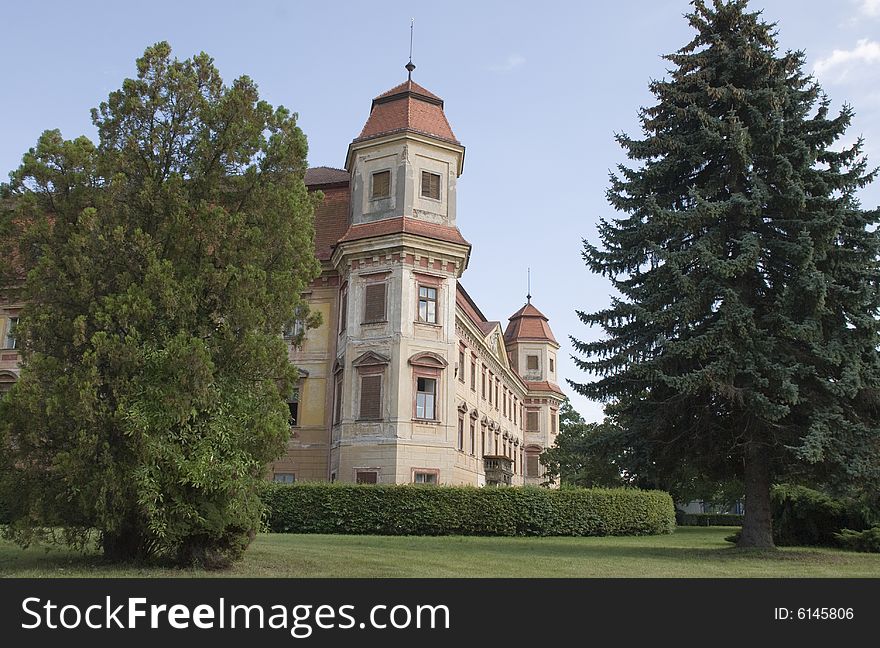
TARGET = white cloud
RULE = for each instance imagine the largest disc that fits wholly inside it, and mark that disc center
(513, 61)
(842, 65)
(870, 7)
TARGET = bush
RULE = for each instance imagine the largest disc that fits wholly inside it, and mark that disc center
(805, 517)
(447, 510)
(867, 541)
(708, 519)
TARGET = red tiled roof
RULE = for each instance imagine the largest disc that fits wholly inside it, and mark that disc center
(544, 386)
(528, 323)
(331, 220)
(409, 86)
(326, 175)
(403, 225)
(407, 107)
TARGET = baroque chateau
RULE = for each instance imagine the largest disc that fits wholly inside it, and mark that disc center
(405, 380)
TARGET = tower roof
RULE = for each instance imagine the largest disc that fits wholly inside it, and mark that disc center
(528, 323)
(407, 107)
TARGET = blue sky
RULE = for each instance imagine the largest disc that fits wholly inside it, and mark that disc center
(535, 91)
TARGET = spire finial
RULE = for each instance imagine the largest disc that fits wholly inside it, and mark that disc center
(410, 66)
(529, 293)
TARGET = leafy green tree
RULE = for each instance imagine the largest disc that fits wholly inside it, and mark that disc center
(584, 453)
(743, 344)
(163, 264)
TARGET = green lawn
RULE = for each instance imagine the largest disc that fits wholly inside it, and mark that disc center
(689, 552)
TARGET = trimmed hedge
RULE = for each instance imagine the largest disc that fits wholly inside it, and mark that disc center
(708, 519)
(867, 541)
(806, 517)
(464, 510)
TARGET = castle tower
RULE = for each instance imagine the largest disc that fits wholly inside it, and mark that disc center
(532, 350)
(394, 418)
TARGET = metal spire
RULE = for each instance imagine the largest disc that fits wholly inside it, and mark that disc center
(529, 294)
(410, 66)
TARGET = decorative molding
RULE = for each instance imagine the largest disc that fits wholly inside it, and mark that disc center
(370, 359)
(428, 360)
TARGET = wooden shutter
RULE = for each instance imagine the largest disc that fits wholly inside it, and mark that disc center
(532, 421)
(532, 465)
(430, 185)
(371, 397)
(367, 477)
(381, 184)
(374, 308)
(532, 363)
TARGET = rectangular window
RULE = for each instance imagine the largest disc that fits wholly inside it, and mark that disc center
(531, 465)
(337, 400)
(424, 477)
(474, 376)
(514, 409)
(293, 408)
(9, 338)
(343, 310)
(473, 439)
(483, 442)
(461, 365)
(426, 393)
(381, 185)
(532, 363)
(371, 397)
(428, 304)
(284, 478)
(497, 402)
(532, 421)
(461, 434)
(366, 477)
(430, 185)
(490, 387)
(374, 303)
(483, 376)
(552, 422)
(505, 402)
(552, 364)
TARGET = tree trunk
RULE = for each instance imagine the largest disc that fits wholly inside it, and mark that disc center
(757, 529)
(124, 545)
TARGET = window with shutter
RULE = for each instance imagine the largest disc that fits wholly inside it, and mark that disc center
(532, 363)
(381, 185)
(366, 477)
(532, 465)
(430, 185)
(337, 400)
(532, 421)
(343, 310)
(374, 308)
(371, 397)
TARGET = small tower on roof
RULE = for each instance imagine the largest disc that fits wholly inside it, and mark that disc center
(532, 350)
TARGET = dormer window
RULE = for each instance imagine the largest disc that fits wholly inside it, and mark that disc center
(381, 185)
(430, 185)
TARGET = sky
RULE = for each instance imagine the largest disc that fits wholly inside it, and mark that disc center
(535, 92)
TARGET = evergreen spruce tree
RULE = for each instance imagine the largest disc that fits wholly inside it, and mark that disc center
(162, 265)
(744, 341)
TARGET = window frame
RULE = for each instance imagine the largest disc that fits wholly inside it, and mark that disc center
(429, 195)
(433, 394)
(433, 473)
(373, 194)
(9, 341)
(427, 301)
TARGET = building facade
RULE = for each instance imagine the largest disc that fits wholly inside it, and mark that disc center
(406, 381)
